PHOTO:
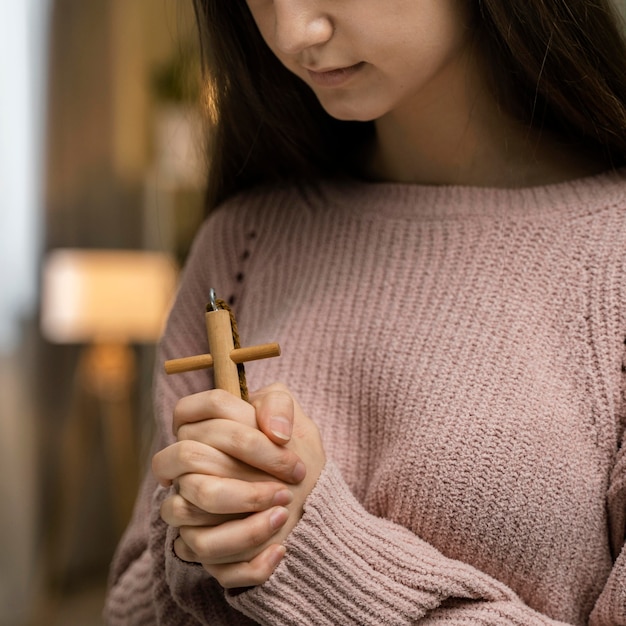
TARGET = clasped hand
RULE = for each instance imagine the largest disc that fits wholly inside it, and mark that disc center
(241, 473)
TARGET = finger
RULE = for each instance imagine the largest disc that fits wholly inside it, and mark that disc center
(184, 552)
(249, 445)
(176, 511)
(212, 404)
(234, 541)
(190, 456)
(274, 412)
(251, 573)
(221, 496)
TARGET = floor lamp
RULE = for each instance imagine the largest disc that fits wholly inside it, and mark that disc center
(105, 301)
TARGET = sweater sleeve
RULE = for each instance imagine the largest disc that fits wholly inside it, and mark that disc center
(343, 561)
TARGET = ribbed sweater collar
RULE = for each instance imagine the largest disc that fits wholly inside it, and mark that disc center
(425, 202)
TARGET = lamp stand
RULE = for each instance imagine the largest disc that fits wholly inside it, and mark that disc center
(104, 381)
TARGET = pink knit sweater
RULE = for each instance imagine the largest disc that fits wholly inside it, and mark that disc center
(462, 352)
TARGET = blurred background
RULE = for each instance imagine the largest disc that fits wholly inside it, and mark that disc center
(101, 185)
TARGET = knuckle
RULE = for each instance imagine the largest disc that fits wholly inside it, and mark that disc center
(263, 392)
(277, 392)
(209, 491)
(178, 508)
(186, 454)
(257, 498)
(283, 463)
(198, 542)
(216, 398)
(183, 432)
(205, 549)
(242, 438)
(259, 534)
(278, 386)
(175, 511)
(280, 400)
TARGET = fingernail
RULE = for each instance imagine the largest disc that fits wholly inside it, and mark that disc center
(299, 472)
(278, 517)
(281, 427)
(277, 555)
(282, 498)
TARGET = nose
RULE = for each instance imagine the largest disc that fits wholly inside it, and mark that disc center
(300, 24)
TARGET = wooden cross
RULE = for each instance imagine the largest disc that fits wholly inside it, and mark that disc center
(223, 356)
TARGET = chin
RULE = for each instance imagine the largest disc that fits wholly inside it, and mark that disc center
(349, 108)
(352, 114)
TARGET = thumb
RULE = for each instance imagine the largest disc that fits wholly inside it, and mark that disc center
(274, 412)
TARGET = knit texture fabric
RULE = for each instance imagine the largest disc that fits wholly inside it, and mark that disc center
(462, 351)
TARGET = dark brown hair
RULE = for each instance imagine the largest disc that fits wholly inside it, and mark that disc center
(561, 65)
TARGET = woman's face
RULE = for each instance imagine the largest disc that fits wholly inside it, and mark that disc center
(366, 58)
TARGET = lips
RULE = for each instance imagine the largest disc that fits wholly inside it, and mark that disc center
(334, 77)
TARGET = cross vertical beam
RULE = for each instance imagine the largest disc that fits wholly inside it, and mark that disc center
(221, 344)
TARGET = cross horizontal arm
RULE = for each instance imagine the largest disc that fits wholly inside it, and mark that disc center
(238, 355)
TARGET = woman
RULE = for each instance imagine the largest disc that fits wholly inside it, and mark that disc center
(422, 201)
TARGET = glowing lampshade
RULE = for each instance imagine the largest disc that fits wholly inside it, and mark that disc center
(102, 296)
